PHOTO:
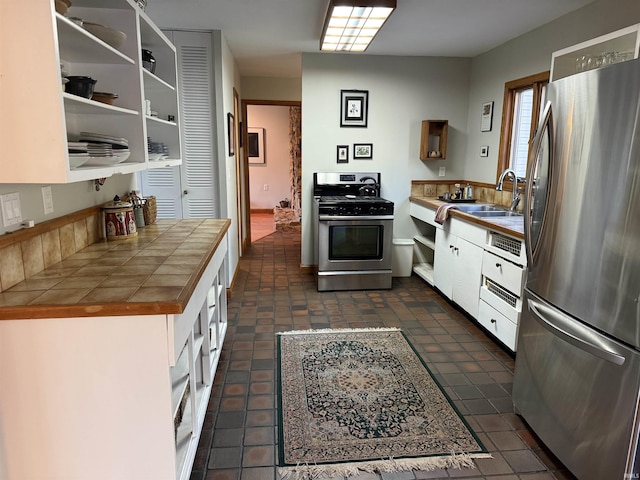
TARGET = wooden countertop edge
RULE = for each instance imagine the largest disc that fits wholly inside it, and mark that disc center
(434, 203)
(27, 312)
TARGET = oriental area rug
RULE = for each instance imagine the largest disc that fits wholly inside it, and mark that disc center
(362, 400)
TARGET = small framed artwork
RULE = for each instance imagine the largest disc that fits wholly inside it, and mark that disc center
(255, 145)
(487, 117)
(343, 154)
(363, 151)
(231, 134)
(354, 108)
(484, 151)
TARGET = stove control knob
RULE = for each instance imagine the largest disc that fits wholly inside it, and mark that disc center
(373, 209)
(357, 210)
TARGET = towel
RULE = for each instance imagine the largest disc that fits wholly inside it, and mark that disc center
(443, 212)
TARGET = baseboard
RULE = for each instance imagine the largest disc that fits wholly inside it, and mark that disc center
(262, 210)
(311, 269)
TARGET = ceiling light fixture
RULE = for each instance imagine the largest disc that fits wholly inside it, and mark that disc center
(350, 25)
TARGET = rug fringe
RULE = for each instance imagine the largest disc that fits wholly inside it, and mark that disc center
(340, 330)
(310, 472)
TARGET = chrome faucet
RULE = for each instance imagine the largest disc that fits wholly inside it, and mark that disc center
(515, 200)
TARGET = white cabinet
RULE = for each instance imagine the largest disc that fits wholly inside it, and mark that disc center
(503, 280)
(39, 118)
(614, 47)
(112, 397)
(457, 270)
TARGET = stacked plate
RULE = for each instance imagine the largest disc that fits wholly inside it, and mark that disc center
(104, 150)
(78, 154)
(157, 150)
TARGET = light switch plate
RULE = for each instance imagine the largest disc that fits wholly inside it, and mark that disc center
(11, 212)
(441, 172)
(47, 200)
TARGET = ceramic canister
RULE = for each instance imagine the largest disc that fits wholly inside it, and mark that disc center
(119, 220)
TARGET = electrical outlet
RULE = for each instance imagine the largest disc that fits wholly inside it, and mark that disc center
(47, 199)
(11, 212)
(265, 187)
(441, 172)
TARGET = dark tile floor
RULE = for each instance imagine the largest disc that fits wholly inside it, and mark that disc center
(270, 294)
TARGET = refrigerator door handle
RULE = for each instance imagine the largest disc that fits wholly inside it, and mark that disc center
(574, 333)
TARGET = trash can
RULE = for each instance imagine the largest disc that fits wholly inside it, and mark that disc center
(402, 259)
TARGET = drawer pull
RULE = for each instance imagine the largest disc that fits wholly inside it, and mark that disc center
(493, 320)
(498, 265)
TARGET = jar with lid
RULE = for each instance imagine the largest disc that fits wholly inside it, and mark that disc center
(457, 194)
(468, 191)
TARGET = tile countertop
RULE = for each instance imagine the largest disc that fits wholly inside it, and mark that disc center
(153, 273)
(509, 225)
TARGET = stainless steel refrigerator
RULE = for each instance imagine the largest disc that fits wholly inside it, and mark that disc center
(577, 374)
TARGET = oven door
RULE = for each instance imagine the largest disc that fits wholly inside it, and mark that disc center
(354, 243)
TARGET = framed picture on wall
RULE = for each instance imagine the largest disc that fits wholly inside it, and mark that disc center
(487, 117)
(363, 151)
(354, 108)
(343, 154)
(231, 133)
(255, 145)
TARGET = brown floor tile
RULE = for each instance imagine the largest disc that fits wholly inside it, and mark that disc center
(271, 295)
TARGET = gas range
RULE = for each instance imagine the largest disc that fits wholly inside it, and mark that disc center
(350, 194)
(349, 205)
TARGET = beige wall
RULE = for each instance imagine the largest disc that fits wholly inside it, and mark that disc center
(526, 55)
(274, 173)
(269, 88)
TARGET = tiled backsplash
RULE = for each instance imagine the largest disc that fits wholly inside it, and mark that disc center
(27, 252)
(483, 192)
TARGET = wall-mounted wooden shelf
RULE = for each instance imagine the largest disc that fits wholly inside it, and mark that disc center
(433, 139)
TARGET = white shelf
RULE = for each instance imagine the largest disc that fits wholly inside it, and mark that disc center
(426, 241)
(179, 380)
(424, 271)
(80, 105)
(79, 46)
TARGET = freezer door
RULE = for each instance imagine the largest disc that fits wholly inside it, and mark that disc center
(586, 250)
(578, 390)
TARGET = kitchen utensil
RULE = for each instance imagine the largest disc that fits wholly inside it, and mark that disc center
(81, 86)
(110, 36)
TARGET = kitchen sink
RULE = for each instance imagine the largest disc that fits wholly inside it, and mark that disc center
(495, 213)
(487, 210)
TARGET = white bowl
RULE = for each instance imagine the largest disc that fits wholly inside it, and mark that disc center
(75, 162)
(112, 37)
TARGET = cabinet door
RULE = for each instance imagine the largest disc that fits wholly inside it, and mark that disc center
(467, 275)
(443, 265)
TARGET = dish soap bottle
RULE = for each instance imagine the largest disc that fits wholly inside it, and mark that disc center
(468, 192)
(458, 192)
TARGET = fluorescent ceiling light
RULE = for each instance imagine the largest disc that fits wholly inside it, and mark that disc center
(350, 25)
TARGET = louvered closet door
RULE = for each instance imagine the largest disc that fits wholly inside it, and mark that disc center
(190, 190)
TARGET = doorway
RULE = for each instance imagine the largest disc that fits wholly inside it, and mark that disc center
(271, 139)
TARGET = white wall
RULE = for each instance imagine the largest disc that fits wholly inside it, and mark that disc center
(66, 198)
(403, 91)
(226, 77)
(274, 173)
(527, 55)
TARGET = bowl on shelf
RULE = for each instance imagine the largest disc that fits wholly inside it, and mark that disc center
(75, 162)
(62, 6)
(104, 97)
(80, 85)
(110, 36)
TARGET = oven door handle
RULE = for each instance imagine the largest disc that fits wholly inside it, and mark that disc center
(354, 217)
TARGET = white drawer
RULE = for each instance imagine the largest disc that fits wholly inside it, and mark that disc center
(503, 272)
(470, 232)
(506, 246)
(498, 325)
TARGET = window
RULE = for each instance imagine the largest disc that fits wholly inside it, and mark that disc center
(523, 103)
